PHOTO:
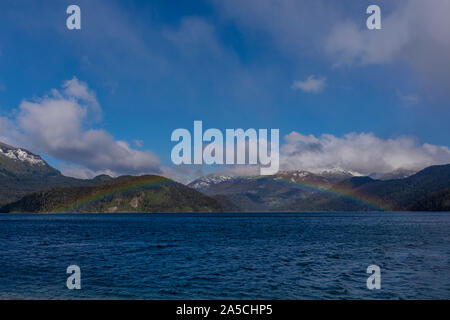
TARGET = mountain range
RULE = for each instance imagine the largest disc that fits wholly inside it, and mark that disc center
(147, 193)
(29, 184)
(22, 172)
(331, 190)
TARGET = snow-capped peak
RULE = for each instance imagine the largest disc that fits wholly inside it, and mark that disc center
(336, 171)
(208, 180)
(20, 155)
(295, 173)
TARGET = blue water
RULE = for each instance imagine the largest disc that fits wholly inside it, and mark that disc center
(230, 256)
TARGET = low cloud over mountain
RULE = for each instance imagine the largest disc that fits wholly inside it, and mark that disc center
(361, 152)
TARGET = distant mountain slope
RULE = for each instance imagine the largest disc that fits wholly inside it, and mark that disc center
(265, 193)
(364, 193)
(342, 196)
(327, 190)
(22, 172)
(202, 184)
(438, 201)
(18, 162)
(335, 189)
(396, 174)
(399, 194)
(124, 194)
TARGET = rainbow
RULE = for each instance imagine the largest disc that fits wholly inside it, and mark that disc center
(107, 190)
(148, 182)
(366, 200)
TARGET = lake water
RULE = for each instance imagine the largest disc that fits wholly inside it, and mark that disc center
(229, 256)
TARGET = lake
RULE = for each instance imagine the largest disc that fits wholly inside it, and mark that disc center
(225, 256)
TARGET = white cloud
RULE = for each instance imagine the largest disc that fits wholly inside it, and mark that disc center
(79, 90)
(80, 172)
(312, 84)
(349, 44)
(360, 152)
(416, 31)
(8, 131)
(58, 125)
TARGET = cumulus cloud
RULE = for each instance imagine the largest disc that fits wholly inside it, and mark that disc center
(361, 152)
(350, 44)
(58, 125)
(79, 90)
(73, 170)
(8, 131)
(416, 31)
(312, 84)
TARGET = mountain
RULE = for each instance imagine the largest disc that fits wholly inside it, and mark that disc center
(29, 184)
(205, 182)
(328, 190)
(438, 201)
(336, 174)
(148, 193)
(22, 172)
(364, 193)
(265, 193)
(396, 174)
(399, 194)
(16, 162)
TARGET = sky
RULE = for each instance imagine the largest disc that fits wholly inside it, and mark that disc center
(106, 98)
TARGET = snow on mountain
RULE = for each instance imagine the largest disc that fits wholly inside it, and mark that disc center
(396, 174)
(293, 175)
(330, 174)
(325, 176)
(337, 172)
(20, 155)
(206, 181)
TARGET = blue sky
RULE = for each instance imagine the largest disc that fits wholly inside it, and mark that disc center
(154, 66)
